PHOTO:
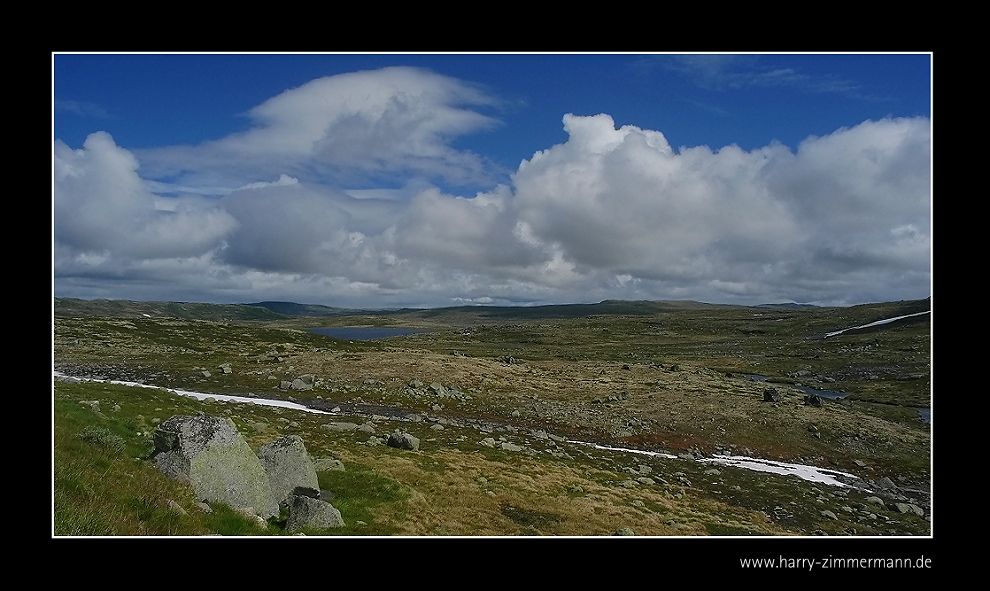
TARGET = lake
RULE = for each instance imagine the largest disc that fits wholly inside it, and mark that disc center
(370, 333)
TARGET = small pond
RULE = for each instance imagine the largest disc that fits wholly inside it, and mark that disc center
(368, 333)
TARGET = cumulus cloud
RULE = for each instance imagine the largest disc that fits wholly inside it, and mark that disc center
(609, 213)
(621, 199)
(297, 228)
(617, 211)
(473, 234)
(395, 121)
(102, 206)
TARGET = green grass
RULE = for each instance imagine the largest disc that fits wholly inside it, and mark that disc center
(364, 496)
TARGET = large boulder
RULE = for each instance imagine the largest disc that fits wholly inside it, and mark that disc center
(211, 454)
(289, 468)
(305, 512)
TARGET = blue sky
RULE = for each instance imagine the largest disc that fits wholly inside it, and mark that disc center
(435, 180)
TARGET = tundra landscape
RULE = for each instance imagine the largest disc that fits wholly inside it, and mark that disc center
(623, 417)
(605, 296)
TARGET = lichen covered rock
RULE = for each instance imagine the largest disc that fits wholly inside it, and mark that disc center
(211, 454)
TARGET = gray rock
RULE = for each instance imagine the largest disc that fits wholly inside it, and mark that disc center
(771, 395)
(303, 382)
(886, 483)
(625, 531)
(328, 465)
(875, 501)
(94, 405)
(211, 455)
(910, 508)
(289, 469)
(403, 440)
(306, 512)
(829, 514)
(511, 446)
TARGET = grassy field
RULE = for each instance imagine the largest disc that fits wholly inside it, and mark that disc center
(495, 458)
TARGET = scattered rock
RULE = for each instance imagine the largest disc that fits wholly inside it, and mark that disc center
(303, 382)
(307, 512)
(886, 483)
(328, 465)
(403, 440)
(875, 501)
(910, 508)
(771, 395)
(93, 405)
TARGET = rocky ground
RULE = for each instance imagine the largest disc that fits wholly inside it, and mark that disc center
(518, 396)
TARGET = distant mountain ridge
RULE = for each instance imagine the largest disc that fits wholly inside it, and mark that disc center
(275, 310)
(295, 310)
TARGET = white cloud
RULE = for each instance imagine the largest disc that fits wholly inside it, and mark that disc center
(610, 213)
(394, 121)
(621, 199)
(101, 205)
